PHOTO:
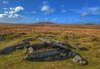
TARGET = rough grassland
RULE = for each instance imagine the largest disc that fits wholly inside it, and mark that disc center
(87, 36)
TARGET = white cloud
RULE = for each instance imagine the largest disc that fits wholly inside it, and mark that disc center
(64, 11)
(5, 2)
(6, 12)
(12, 12)
(91, 11)
(13, 15)
(46, 8)
(87, 11)
(19, 8)
(2, 15)
(95, 10)
(86, 14)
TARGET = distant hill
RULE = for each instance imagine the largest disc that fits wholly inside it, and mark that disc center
(45, 23)
(4, 23)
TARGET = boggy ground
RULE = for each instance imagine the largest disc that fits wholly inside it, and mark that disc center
(91, 41)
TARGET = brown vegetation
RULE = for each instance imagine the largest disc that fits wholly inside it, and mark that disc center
(54, 28)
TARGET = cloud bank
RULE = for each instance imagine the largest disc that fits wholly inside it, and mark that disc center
(11, 12)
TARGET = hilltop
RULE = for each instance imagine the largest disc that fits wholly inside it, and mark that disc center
(44, 23)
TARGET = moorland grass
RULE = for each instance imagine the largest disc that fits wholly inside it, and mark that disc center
(15, 60)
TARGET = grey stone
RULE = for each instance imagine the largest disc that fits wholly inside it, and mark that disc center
(8, 50)
(78, 59)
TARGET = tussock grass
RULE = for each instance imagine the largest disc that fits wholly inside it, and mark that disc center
(15, 60)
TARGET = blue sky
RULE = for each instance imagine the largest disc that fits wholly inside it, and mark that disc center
(57, 11)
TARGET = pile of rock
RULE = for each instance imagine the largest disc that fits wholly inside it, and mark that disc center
(49, 50)
(52, 51)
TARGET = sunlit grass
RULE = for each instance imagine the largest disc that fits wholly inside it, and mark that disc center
(15, 60)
